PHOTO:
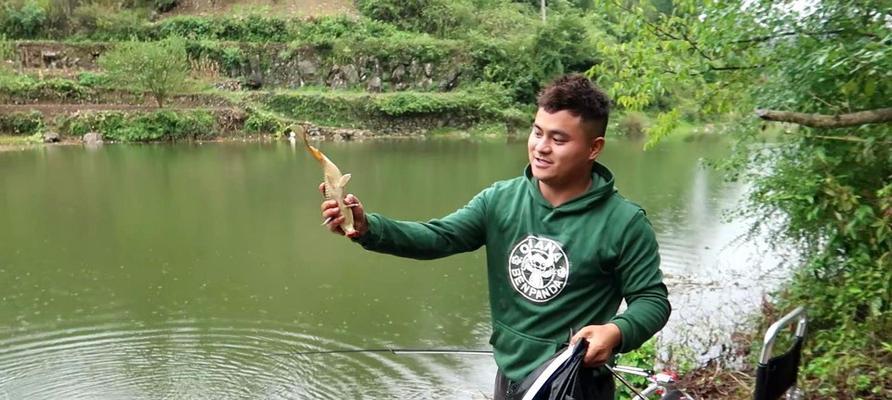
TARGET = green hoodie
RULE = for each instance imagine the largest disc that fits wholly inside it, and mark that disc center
(551, 269)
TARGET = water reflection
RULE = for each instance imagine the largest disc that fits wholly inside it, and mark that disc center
(215, 358)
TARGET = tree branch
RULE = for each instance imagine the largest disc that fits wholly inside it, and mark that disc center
(782, 34)
(694, 46)
(735, 68)
(655, 29)
(847, 138)
(879, 115)
(792, 33)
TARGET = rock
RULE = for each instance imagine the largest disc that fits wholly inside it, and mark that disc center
(50, 137)
(451, 81)
(92, 138)
(336, 79)
(374, 85)
(49, 56)
(307, 70)
(428, 69)
(314, 131)
(254, 82)
(398, 74)
(350, 74)
(368, 68)
(231, 85)
(414, 70)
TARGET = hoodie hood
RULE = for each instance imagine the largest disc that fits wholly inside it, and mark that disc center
(601, 188)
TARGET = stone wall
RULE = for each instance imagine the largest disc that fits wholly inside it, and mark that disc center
(275, 66)
(57, 55)
(278, 66)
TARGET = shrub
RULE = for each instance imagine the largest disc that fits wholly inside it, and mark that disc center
(14, 84)
(632, 125)
(507, 64)
(263, 122)
(165, 125)
(91, 79)
(84, 18)
(323, 31)
(563, 45)
(400, 46)
(81, 123)
(644, 357)
(253, 27)
(25, 22)
(160, 68)
(60, 88)
(7, 52)
(99, 22)
(503, 19)
(21, 123)
(187, 27)
(233, 59)
(24, 87)
(431, 16)
(155, 126)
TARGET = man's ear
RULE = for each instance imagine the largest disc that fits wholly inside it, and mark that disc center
(597, 145)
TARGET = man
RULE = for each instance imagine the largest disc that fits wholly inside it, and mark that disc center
(563, 247)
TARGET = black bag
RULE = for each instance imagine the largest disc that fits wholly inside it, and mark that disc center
(562, 377)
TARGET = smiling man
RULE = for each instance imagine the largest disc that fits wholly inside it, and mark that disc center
(563, 247)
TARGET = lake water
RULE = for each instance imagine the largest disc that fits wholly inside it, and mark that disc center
(199, 270)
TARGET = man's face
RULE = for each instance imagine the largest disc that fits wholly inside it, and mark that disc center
(559, 149)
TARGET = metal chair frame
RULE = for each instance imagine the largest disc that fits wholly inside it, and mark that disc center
(800, 318)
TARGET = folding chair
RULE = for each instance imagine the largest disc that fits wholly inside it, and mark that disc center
(776, 376)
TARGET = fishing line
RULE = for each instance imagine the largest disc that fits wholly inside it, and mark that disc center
(623, 380)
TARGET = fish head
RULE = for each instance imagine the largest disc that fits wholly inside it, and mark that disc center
(312, 150)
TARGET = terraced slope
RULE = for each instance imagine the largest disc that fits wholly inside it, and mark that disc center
(280, 8)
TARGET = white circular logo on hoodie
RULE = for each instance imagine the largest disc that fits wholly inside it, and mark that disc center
(538, 268)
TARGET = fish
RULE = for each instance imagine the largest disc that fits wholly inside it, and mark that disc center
(335, 184)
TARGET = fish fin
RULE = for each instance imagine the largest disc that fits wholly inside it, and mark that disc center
(344, 179)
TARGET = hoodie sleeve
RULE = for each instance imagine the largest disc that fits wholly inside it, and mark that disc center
(463, 230)
(642, 285)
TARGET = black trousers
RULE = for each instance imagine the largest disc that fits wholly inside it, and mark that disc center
(597, 388)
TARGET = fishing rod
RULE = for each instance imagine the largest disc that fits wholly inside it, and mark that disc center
(398, 351)
(462, 352)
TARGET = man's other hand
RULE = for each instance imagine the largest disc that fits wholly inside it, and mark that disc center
(602, 339)
(332, 214)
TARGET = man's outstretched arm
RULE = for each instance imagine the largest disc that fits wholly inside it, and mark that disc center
(463, 230)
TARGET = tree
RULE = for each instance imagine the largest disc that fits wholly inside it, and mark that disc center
(160, 68)
(825, 185)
